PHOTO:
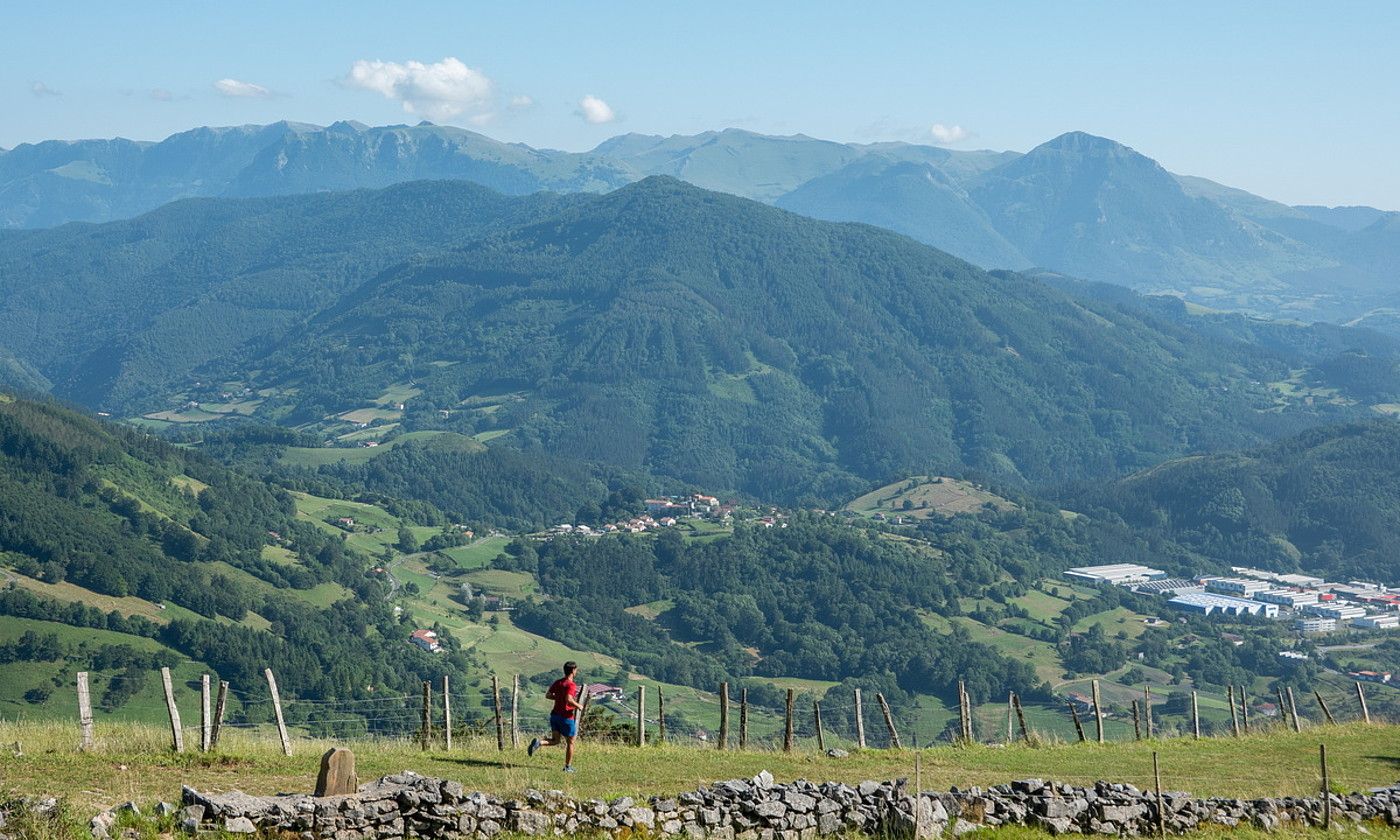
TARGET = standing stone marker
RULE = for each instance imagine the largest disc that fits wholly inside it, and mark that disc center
(337, 777)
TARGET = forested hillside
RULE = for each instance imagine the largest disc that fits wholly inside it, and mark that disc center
(658, 330)
(695, 335)
(190, 562)
(1326, 501)
(816, 600)
(118, 314)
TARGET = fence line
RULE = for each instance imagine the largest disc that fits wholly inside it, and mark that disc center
(822, 718)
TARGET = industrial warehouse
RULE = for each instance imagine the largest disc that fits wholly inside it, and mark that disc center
(1314, 604)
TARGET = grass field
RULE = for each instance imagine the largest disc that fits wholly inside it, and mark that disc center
(478, 554)
(133, 762)
(927, 496)
(147, 705)
(317, 456)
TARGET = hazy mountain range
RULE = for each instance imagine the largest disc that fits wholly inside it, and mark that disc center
(1078, 204)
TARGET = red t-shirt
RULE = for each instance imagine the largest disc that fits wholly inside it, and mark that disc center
(563, 690)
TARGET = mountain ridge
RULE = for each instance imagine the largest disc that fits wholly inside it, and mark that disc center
(675, 331)
(1077, 204)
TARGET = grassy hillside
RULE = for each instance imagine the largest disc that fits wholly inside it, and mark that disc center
(920, 497)
(1273, 765)
(120, 554)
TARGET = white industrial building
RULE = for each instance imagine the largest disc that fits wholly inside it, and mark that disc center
(1287, 598)
(1383, 621)
(1315, 624)
(1207, 603)
(1116, 574)
(1341, 612)
(1305, 581)
(1238, 587)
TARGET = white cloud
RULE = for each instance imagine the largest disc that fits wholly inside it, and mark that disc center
(521, 102)
(595, 110)
(437, 91)
(41, 89)
(240, 89)
(161, 95)
(947, 135)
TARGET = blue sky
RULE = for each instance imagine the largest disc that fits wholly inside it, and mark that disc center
(1295, 101)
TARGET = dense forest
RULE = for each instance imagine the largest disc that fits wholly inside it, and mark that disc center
(1326, 501)
(817, 599)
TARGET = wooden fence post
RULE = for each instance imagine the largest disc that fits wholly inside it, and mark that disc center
(1282, 707)
(641, 716)
(496, 710)
(1098, 712)
(1361, 698)
(1244, 710)
(1195, 717)
(515, 712)
(743, 718)
(722, 742)
(1137, 722)
(1078, 727)
(1323, 703)
(583, 713)
(84, 711)
(963, 722)
(446, 714)
(787, 721)
(889, 720)
(1021, 717)
(968, 735)
(220, 704)
(277, 710)
(1161, 805)
(205, 723)
(425, 724)
(860, 719)
(1234, 713)
(177, 737)
(1293, 708)
(1147, 711)
(1326, 788)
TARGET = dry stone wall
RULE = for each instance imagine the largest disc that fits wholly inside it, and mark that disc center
(409, 805)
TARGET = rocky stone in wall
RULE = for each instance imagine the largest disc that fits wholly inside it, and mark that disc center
(409, 805)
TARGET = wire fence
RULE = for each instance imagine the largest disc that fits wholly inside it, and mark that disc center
(819, 718)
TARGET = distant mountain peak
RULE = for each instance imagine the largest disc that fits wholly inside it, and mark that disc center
(1083, 141)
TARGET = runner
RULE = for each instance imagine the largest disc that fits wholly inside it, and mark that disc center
(563, 720)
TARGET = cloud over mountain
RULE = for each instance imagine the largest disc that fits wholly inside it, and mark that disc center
(946, 135)
(241, 90)
(595, 110)
(439, 90)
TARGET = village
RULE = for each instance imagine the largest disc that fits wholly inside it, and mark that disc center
(669, 511)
